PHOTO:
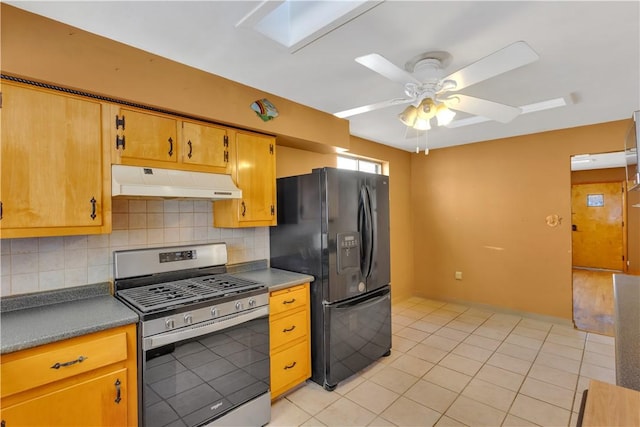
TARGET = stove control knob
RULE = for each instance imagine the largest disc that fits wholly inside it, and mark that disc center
(239, 305)
(214, 312)
(252, 302)
(170, 323)
(188, 319)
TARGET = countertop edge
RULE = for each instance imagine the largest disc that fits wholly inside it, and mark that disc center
(67, 335)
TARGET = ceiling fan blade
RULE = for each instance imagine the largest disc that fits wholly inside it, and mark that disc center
(371, 107)
(482, 107)
(506, 59)
(386, 68)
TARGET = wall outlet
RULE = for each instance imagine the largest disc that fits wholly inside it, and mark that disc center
(458, 275)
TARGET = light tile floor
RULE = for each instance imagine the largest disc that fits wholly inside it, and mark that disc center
(453, 365)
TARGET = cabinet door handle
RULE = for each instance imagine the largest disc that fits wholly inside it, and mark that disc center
(289, 301)
(244, 209)
(59, 365)
(93, 208)
(290, 366)
(190, 149)
(170, 146)
(289, 329)
(117, 384)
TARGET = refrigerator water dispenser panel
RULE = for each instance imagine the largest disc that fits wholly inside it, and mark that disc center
(348, 252)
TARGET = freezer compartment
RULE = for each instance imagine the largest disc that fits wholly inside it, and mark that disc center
(357, 332)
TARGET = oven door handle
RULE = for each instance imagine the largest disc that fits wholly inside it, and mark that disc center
(196, 331)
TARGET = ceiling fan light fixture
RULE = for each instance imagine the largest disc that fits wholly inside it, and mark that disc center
(409, 115)
(427, 109)
(444, 115)
(421, 124)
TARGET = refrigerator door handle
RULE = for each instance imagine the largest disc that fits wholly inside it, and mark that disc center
(363, 303)
(365, 227)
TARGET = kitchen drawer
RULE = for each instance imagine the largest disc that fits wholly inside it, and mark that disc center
(289, 367)
(42, 365)
(289, 299)
(289, 328)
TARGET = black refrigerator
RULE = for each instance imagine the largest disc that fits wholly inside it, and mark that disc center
(334, 225)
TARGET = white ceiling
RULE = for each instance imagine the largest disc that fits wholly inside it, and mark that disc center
(589, 51)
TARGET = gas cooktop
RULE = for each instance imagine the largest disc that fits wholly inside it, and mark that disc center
(161, 296)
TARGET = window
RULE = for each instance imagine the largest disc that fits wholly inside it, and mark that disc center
(359, 165)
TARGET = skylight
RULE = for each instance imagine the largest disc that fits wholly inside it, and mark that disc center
(295, 23)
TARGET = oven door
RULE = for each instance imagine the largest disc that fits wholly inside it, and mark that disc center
(204, 374)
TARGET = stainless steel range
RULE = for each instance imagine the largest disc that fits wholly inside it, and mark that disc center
(203, 346)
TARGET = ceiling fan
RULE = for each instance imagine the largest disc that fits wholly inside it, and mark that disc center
(432, 95)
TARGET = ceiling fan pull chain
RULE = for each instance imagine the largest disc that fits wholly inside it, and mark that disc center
(426, 143)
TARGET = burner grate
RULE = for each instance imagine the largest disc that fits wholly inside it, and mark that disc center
(166, 295)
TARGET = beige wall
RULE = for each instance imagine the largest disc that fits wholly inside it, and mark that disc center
(291, 161)
(481, 208)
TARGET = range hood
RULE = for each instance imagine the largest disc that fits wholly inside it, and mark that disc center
(171, 184)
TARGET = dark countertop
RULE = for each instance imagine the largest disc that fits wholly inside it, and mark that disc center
(274, 278)
(41, 318)
(626, 294)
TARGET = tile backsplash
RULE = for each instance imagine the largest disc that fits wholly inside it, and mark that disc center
(44, 263)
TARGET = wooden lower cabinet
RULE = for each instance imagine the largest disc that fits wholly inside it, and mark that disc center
(290, 340)
(88, 403)
(84, 381)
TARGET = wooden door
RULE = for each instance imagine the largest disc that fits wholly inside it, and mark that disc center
(52, 162)
(149, 137)
(205, 145)
(256, 176)
(597, 223)
(93, 402)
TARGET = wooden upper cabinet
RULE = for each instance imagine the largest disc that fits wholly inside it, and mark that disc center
(253, 168)
(143, 137)
(55, 180)
(256, 176)
(205, 145)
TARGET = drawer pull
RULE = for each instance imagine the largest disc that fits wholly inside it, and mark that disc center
(289, 301)
(59, 365)
(117, 384)
(289, 329)
(290, 366)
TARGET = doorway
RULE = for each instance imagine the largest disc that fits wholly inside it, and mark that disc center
(598, 214)
(597, 225)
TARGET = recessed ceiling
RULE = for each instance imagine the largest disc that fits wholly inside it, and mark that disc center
(589, 53)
